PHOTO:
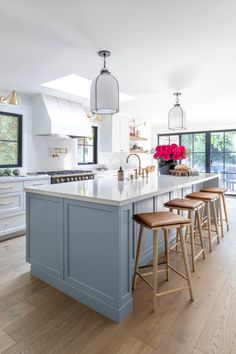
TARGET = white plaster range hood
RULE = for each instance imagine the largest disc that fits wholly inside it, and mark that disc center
(54, 116)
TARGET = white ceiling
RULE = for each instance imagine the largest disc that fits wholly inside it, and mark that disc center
(157, 47)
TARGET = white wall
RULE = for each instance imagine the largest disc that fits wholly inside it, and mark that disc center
(36, 149)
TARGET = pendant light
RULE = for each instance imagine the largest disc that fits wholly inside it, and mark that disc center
(176, 120)
(104, 94)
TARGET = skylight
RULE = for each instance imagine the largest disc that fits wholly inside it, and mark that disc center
(77, 86)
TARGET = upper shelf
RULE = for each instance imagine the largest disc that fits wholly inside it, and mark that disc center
(135, 137)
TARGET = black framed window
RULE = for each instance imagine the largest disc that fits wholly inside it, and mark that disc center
(209, 151)
(87, 149)
(10, 140)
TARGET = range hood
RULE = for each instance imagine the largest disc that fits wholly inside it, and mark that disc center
(52, 116)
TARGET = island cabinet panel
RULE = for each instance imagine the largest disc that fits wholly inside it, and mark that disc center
(97, 247)
(89, 254)
(45, 234)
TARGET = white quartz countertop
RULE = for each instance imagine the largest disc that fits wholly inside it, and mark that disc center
(109, 191)
(22, 178)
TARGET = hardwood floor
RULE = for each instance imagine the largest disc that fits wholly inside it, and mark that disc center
(37, 319)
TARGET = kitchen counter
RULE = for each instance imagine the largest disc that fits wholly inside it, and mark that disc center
(22, 178)
(81, 237)
(111, 192)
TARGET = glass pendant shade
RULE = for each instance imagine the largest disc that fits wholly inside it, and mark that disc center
(176, 117)
(104, 93)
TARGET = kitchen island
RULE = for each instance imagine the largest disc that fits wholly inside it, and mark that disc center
(81, 237)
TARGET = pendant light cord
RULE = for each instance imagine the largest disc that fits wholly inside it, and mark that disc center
(104, 60)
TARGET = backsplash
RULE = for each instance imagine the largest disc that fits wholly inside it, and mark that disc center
(41, 149)
(116, 159)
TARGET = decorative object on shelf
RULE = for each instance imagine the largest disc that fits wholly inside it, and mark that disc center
(176, 119)
(104, 94)
(168, 155)
(131, 131)
(10, 99)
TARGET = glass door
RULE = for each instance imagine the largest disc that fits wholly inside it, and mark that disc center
(223, 157)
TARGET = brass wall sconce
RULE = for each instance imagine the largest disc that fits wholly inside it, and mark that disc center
(13, 99)
(97, 117)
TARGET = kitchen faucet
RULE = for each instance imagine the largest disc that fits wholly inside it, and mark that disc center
(139, 162)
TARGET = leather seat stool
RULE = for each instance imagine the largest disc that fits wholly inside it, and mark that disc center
(193, 208)
(157, 221)
(209, 199)
(221, 193)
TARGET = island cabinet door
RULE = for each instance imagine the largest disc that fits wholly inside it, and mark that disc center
(44, 241)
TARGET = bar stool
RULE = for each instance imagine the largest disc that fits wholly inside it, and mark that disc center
(221, 193)
(209, 199)
(156, 221)
(193, 208)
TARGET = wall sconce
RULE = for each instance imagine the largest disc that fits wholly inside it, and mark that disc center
(96, 117)
(13, 99)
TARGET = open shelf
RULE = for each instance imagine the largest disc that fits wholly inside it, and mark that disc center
(137, 151)
(137, 138)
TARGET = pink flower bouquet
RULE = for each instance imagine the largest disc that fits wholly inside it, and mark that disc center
(167, 155)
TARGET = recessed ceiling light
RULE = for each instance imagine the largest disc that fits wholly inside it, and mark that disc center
(77, 86)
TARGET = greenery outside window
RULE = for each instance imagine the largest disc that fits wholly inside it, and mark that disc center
(10, 140)
(87, 149)
(209, 151)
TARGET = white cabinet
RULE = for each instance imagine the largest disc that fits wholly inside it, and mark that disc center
(115, 134)
(12, 206)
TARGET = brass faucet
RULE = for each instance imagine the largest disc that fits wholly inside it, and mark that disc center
(139, 162)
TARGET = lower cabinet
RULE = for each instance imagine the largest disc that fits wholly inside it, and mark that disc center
(12, 206)
(11, 224)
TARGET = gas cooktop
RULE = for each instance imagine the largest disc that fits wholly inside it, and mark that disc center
(68, 175)
(63, 172)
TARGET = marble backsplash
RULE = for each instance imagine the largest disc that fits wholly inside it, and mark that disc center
(114, 160)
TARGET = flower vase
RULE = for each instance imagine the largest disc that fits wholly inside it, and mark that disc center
(164, 170)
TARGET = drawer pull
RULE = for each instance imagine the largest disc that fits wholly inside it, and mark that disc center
(5, 203)
(11, 187)
(38, 184)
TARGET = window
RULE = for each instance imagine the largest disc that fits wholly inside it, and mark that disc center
(87, 149)
(209, 151)
(10, 140)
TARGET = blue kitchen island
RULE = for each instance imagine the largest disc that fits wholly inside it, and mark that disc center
(81, 238)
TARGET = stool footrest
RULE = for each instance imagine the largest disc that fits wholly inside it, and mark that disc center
(176, 271)
(172, 291)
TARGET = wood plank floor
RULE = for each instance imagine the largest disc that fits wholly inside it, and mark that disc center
(37, 319)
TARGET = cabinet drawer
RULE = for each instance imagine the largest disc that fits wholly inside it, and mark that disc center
(12, 224)
(38, 182)
(11, 202)
(9, 187)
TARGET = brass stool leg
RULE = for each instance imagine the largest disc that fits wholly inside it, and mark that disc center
(225, 211)
(199, 224)
(215, 221)
(183, 245)
(155, 260)
(192, 241)
(209, 224)
(138, 253)
(166, 235)
(221, 216)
